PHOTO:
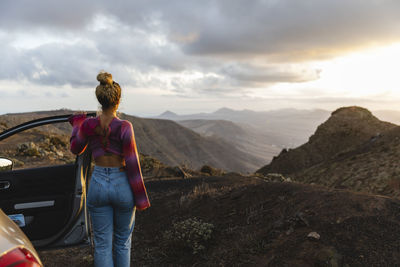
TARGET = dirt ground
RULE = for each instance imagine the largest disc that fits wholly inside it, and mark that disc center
(258, 223)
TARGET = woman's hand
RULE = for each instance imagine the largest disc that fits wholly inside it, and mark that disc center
(77, 116)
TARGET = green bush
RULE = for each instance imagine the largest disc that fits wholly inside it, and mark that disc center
(192, 233)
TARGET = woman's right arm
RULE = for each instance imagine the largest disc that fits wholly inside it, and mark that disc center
(78, 138)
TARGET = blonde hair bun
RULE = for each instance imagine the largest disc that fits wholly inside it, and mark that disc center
(105, 78)
(108, 92)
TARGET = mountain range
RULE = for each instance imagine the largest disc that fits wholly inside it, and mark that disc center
(283, 128)
(164, 140)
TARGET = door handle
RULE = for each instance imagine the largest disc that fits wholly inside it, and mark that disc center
(4, 185)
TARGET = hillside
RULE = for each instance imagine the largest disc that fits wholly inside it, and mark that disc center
(245, 138)
(343, 131)
(165, 140)
(370, 167)
(352, 149)
(244, 221)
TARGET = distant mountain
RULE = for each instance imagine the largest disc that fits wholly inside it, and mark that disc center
(352, 149)
(168, 114)
(243, 137)
(166, 141)
(223, 111)
(286, 127)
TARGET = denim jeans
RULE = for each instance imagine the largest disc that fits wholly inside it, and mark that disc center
(112, 210)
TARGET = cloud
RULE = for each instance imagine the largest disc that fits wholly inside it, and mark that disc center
(233, 46)
(52, 64)
(258, 76)
(66, 15)
(291, 30)
(279, 29)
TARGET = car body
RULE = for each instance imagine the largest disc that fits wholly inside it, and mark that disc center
(15, 246)
(48, 203)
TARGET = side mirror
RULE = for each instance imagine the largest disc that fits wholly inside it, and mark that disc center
(6, 164)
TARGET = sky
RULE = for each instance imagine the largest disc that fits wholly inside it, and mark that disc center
(193, 56)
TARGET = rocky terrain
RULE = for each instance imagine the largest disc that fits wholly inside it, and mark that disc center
(352, 149)
(235, 220)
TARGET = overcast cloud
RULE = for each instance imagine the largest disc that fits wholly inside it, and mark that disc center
(186, 48)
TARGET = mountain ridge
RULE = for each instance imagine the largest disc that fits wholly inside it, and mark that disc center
(165, 140)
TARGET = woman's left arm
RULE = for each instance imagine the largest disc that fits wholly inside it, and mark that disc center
(133, 170)
(78, 140)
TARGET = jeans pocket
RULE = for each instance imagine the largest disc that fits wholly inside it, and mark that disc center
(94, 193)
(125, 195)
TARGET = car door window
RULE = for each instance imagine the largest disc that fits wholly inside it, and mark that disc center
(45, 145)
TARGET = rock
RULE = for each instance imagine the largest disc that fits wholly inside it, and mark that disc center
(59, 153)
(314, 235)
(28, 149)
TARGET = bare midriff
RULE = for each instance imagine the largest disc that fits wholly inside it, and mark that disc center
(110, 161)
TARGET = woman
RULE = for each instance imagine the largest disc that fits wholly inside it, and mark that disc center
(116, 187)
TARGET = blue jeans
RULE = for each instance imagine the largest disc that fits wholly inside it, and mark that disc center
(112, 210)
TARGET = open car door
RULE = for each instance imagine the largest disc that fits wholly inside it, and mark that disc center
(48, 202)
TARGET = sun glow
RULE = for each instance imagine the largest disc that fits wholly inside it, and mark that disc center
(368, 73)
(360, 77)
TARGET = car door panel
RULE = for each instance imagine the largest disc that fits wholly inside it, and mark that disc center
(43, 195)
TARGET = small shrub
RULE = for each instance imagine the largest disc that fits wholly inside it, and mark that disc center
(57, 141)
(199, 191)
(191, 233)
(211, 171)
(17, 163)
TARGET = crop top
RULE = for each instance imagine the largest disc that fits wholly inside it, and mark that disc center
(118, 139)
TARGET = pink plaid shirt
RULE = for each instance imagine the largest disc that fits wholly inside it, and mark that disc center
(120, 140)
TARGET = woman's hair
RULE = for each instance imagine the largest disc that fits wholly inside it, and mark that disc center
(108, 92)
